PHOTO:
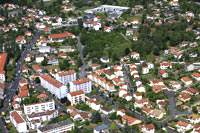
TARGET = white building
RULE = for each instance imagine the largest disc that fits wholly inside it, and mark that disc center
(59, 127)
(18, 122)
(93, 103)
(54, 86)
(39, 107)
(66, 77)
(83, 84)
(135, 55)
(76, 97)
(44, 49)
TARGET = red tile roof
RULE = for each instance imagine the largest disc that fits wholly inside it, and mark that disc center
(129, 119)
(150, 127)
(66, 73)
(196, 74)
(76, 93)
(186, 79)
(42, 96)
(182, 123)
(62, 35)
(3, 58)
(17, 117)
(52, 81)
(81, 81)
(191, 90)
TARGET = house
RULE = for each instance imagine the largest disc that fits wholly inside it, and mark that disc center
(138, 82)
(76, 97)
(18, 121)
(165, 65)
(20, 40)
(135, 38)
(183, 126)
(163, 74)
(105, 59)
(106, 110)
(101, 129)
(60, 37)
(93, 103)
(184, 97)
(130, 120)
(44, 49)
(157, 113)
(116, 81)
(122, 91)
(150, 65)
(161, 103)
(121, 112)
(62, 126)
(154, 82)
(137, 96)
(39, 58)
(107, 29)
(95, 66)
(173, 50)
(127, 97)
(189, 14)
(177, 56)
(187, 81)
(118, 73)
(28, 57)
(145, 70)
(194, 119)
(192, 91)
(150, 128)
(135, 55)
(146, 110)
(92, 24)
(196, 76)
(37, 68)
(189, 67)
(140, 103)
(175, 84)
(129, 32)
(16, 105)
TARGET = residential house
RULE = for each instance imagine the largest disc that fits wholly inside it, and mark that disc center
(145, 70)
(130, 120)
(150, 128)
(189, 67)
(187, 81)
(135, 55)
(165, 65)
(92, 24)
(140, 103)
(106, 110)
(121, 112)
(93, 103)
(183, 126)
(184, 97)
(196, 76)
(194, 119)
(157, 113)
(192, 91)
(175, 84)
(163, 74)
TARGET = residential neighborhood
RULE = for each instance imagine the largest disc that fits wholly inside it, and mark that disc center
(100, 66)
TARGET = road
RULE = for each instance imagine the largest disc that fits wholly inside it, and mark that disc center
(13, 85)
(82, 71)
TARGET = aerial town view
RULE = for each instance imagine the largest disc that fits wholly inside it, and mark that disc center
(99, 66)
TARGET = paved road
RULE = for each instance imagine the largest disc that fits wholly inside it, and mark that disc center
(13, 85)
(82, 72)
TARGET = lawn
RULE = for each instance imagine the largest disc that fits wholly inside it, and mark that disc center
(49, 67)
(91, 126)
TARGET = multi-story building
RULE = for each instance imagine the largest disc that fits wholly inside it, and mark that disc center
(3, 60)
(39, 107)
(60, 37)
(18, 122)
(54, 86)
(59, 127)
(76, 97)
(66, 77)
(83, 84)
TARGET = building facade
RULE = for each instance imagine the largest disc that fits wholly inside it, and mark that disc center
(83, 84)
(66, 77)
(54, 86)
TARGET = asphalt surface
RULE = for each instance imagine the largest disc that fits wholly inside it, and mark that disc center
(13, 85)
(82, 71)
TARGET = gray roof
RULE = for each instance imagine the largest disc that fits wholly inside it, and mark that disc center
(55, 125)
(101, 127)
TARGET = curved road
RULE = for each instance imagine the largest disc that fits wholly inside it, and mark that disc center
(13, 85)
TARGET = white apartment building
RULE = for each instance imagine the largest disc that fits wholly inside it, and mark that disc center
(54, 86)
(18, 122)
(59, 127)
(83, 84)
(76, 97)
(39, 107)
(3, 60)
(66, 77)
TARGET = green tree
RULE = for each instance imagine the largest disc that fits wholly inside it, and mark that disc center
(37, 80)
(44, 62)
(113, 126)
(96, 117)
